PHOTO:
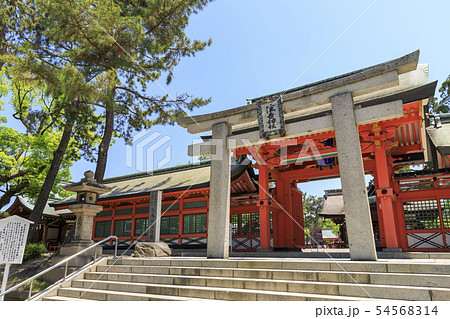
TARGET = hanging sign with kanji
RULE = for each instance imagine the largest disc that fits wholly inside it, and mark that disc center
(13, 238)
(271, 118)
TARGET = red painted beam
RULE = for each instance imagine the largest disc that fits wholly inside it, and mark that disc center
(311, 173)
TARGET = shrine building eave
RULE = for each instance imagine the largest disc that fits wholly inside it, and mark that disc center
(169, 180)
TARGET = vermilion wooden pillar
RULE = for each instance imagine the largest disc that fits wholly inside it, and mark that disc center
(288, 229)
(385, 195)
(380, 218)
(278, 215)
(264, 209)
(398, 205)
(282, 216)
(289, 222)
(298, 230)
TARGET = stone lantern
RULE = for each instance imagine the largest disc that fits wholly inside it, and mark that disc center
(85, 207)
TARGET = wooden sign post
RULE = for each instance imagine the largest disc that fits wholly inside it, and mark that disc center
(13, 238)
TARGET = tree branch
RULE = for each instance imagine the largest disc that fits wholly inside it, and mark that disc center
(165, 17)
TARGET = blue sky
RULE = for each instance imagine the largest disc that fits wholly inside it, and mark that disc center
(260, 47)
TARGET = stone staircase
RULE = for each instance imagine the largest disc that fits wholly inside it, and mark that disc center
(257, 279)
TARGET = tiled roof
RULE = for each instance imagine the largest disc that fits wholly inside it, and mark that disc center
(333, 205)
(440, 138)
(50, 211)
(177, 178)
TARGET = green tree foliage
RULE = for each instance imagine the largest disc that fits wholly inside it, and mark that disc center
(25, 155)
(312, 207)
(442, 105)
(24, 162)
(96, 60)
(158, 42)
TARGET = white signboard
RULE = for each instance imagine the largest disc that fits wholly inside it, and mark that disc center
(13, 238)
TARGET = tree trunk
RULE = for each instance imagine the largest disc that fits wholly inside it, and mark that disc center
(104, 146)
(2, 44)
(316, 219)
(46, 189)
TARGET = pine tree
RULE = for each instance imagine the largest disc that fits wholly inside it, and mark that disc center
(96, 59)
(442, 105)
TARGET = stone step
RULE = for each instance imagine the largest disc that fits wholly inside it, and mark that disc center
(218, 293)
(61, 298)
(399, 266)
(109, 295)
(259, 279)
(404, 279)
(321, 288)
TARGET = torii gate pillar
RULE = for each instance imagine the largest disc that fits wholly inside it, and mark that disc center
(219, 200)
(356, 203)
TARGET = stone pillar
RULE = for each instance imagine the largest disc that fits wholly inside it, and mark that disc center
(82, 239)
(84, 223)
(356, 203)
(219, 200)
(154, 216)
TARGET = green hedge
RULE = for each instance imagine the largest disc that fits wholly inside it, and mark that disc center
(33, 251)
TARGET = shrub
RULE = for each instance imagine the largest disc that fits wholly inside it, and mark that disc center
(38, 284)
(33, 251)
(4, 215)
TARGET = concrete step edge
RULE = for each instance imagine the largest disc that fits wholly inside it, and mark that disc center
(245, 291)
(324, 283)
(204, 288)
(380, 267)
(275, 259)
(291, 270)
(62, 298)
(170, 297)
(310, 261)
